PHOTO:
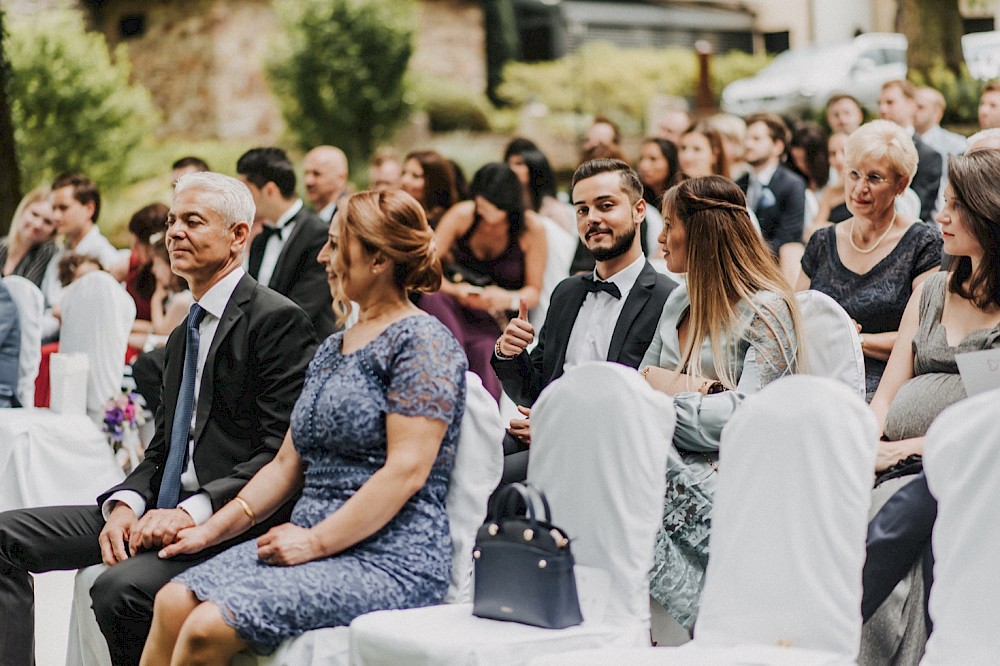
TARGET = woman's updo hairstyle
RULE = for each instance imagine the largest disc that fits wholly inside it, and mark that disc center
(391, 223)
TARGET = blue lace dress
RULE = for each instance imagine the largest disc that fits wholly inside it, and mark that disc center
(414, 368)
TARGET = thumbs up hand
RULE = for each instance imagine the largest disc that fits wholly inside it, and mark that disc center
(518, 334)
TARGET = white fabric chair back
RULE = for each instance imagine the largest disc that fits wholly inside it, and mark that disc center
(561, 248)
(477, 470)
(600, 437)
(962, 464)
(831, 342)
(97, 317)
(790, 519)
(30, 307)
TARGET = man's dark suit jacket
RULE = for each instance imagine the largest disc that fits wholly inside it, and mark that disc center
(252, 377)
(782, 221)
(524, 376)
(898, 537)
(927, 180)
(297, 274)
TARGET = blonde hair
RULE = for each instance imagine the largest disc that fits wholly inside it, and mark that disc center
(880, 139)
(727, 263)
(17, 222)
(393, 224)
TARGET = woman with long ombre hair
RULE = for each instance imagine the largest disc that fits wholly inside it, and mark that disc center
(732, 328)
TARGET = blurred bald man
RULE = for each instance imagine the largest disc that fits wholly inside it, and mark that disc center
(325, 179)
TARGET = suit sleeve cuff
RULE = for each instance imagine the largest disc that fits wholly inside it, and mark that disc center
(198, 506)
(135, 501)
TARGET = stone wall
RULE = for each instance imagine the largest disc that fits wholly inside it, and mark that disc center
(203, 60)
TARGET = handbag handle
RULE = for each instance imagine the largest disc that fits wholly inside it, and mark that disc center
(506, 499)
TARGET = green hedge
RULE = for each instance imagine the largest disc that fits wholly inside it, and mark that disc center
(601, 78)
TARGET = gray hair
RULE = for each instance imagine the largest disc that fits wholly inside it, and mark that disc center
(883, 139)
(989, 137)
(231, 198)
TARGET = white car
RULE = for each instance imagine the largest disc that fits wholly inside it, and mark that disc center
(800, 81)
(981, 51)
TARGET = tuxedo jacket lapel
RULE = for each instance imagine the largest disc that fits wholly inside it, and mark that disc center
(280, 276)
(232, 314)
(565, 318)
(636, 300)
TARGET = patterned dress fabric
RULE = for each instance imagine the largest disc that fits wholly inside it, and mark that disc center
(682, 547)
(412, 368)
(876, 299)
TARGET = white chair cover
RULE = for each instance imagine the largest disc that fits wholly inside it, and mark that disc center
(831, 342)
(790, 519)
(30, 307)
(962, 464)
(477, 470)
(696, 655)
(48, 459)
(97, 316)
(599, 453)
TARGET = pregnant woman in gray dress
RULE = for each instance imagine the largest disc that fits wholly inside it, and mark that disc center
(371, 447)
(949, 314)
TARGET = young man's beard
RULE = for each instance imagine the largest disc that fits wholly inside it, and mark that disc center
(622, 245)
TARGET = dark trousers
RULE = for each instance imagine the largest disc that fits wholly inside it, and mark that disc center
(65, 537)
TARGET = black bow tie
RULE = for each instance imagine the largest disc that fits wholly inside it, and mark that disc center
(594, 286)
(269, 230)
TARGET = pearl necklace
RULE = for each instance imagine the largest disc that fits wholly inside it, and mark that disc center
(850, 236)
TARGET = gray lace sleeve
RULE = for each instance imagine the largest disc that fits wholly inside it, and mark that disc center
(771, 347)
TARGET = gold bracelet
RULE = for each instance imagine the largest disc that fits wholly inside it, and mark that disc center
(246, 509)
(645, 372)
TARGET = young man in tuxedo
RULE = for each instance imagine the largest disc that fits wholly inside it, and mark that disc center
(284, 255)
(232, 374)
(609, 314)
(897, 102)
(775, 193)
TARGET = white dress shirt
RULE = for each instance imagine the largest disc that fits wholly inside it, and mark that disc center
(198, 506)
(595, 323)
(276, 243)
(328, 211)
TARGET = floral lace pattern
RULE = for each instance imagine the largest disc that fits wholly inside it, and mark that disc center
(414, 368)
(682, 547)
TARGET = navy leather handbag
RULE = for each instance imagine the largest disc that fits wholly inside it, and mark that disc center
(523, 564)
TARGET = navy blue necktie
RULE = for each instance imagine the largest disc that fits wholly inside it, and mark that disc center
(594, 286)
(170, 485)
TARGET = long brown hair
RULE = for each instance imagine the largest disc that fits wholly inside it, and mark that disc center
(973, 177)
(727, 262)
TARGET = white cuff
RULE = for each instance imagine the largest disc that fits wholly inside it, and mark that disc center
(134, 500)
(198, 506)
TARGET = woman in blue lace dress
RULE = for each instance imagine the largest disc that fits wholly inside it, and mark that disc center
(371, 447)
(728, 331)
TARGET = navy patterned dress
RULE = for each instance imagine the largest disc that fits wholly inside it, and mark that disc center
(414, 368)
(875, 299)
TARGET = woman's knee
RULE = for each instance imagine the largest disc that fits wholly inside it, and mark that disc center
(206, 635)
(174, 599)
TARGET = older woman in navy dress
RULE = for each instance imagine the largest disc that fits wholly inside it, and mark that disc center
(371, 447)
